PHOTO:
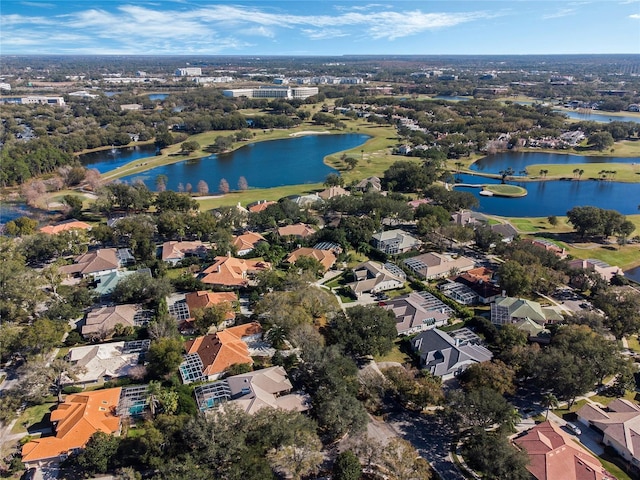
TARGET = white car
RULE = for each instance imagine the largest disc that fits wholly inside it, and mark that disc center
(574, 428)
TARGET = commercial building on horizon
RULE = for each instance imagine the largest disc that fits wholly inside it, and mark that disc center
(272, 92)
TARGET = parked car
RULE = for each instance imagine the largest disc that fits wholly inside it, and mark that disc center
(574, 428)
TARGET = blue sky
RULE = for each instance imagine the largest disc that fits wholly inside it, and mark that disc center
(319, 27)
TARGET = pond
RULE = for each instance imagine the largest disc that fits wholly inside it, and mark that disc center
(520, 160)
(289, 161)
(601, 117)
(157, 96)
(106, 160)
(556, 197)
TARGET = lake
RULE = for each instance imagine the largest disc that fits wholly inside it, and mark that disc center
(601, 117)
(520, 160)
(157, 96)
(556, 197)
(106, 160)
(273, 163)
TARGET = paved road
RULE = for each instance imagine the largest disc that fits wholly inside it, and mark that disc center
(431, 437)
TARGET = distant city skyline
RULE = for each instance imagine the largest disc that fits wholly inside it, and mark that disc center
(315, 27)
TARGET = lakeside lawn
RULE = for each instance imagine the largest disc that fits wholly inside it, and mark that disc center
(625, 172)
(627, 256)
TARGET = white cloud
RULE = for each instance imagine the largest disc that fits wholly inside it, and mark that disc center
(564, 12)
(324, 34)
(635, 16)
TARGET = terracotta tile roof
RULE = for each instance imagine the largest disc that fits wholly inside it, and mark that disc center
(202, 299)
(334, 191)
(232, 272)
(260, 206)
(99, 260)
(554, 455)
(171, 250)
(326, 257)
(71, 224)
(218, 351)
(247, 241)
(296, 230)
(80, 416)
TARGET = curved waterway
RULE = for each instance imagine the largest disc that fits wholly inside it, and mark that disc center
(520, 160)
(556, 197)
(106, 160)
(289, 161)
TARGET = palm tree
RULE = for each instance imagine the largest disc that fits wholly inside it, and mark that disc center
(580, 172)
(550, 401)
(575, 172)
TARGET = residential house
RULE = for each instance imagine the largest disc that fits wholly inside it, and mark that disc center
(506, 231)
(374, 277)
(414, 204)
(480, 281)
(209, 356)
(306, 201)
(104, 284)
(511, 310)
(331, 246)
(246, 242)
(371, 184)
(252, 391)
(466, 217)
(417, 311)
(553, 454)
(326, 257)
(619, 424)
(233, 272)
(101, 322)
(394, 241)
(98, 262)
(297, 230)
(259, 206)
(67, 225)
(201, 299)
(437, 265)
(446, 357)
(459, 292)
(74, 422)
(332, 192)
(174, 252)
(548, 245)
(105, 362)
(606, 271)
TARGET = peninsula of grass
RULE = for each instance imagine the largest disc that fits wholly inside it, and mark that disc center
(511, 191)
(616, 172)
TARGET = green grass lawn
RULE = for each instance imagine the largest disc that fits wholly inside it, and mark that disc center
(395, 355)
(634, 344)
(625, 172)
(32, 416)
(561, 412)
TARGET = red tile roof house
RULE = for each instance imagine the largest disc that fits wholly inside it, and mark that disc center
(554, 455)
(74, 422)
(246, 242)
(233, 272)
(71, 224)
(326, 257)
(202, 299)
(298, 230)
(619, 424)
(209, 356)
(174, 252)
